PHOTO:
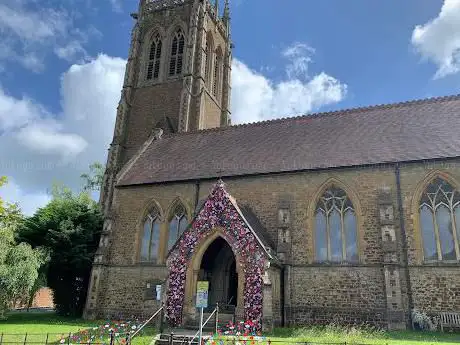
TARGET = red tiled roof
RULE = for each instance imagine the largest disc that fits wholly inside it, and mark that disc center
(416, 130)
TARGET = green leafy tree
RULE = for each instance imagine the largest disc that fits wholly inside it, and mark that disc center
(93, 179)
(19, 263)
(69, 228)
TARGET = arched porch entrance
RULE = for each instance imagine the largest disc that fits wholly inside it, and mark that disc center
(215, 262)
(218, 267)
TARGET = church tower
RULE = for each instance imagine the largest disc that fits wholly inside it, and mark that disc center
(177, 76)
(177, 79)
(178, 70)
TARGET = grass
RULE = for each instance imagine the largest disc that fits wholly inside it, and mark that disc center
(37, 325)
(351, 335)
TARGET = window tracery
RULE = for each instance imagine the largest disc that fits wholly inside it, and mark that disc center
(336, 238)
(150, 237)
(154, 58)
(439, 212)
(177, 225)
(177, 53)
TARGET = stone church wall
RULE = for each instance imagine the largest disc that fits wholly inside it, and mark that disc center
(323, 295)
(435, 287)
(155, 103)
(316, 293)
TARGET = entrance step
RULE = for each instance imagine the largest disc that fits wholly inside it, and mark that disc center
(223, 320)
(180, 336)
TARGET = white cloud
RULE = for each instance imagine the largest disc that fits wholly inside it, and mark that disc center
(439, 39)
(256, 98)
(30, 32)
(43, 148)
(116, 5)
(28, 202)
(299, 56)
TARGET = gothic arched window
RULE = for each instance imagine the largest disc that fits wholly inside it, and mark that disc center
(440, 221)
(217, 73)
(150, 237)
(336, 229)
(177, 53)
(208, 62)
(177, 224)
(154, 59)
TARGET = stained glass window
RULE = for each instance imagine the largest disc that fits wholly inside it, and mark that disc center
(335, 228)
(439, 221)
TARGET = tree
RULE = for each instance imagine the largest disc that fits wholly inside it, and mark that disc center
(69, 228)
(93, 179)
(19, 263)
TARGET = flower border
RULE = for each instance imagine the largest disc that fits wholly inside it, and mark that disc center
(218, 211)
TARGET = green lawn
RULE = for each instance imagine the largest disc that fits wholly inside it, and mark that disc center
(38, 325)
(333, 334)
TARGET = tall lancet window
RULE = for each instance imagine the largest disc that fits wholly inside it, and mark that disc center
(336, 233)
(154, 61)
(177, 224)
(150, 237)
(208, 62)
(177, 53)
(217, 73)
(440, 221)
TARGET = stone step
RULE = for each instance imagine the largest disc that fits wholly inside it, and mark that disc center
(180, 336)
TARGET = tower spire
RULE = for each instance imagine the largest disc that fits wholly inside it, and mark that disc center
(216, 5)
(226, 16)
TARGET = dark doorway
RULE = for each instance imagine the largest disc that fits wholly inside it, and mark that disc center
(218, 266)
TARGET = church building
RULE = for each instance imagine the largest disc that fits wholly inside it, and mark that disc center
(349, 216)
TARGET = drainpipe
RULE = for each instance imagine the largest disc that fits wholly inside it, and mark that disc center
(404, 241)
(282, 289)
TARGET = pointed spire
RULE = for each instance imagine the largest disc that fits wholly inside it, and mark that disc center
(216, 5)
(226, 17)
(227, 9)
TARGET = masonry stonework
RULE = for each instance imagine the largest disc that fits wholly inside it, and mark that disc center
(318, 293)
(389, 278)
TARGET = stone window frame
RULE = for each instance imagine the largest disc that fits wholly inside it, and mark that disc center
(143, 65)
(208, 60)
(172, 213)
(183, 55)
(354, 198)
(415, 215)
(217, 72)
(154, 206)
(152, 218)
(153, 61)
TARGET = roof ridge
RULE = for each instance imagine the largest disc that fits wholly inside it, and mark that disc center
(321, 114)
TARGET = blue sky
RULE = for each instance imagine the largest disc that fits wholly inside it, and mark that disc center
(62, 63)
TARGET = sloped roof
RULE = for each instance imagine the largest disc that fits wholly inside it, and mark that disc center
(410, 131)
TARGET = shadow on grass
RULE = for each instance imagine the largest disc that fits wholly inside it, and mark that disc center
(362, 335)
(49, 328)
